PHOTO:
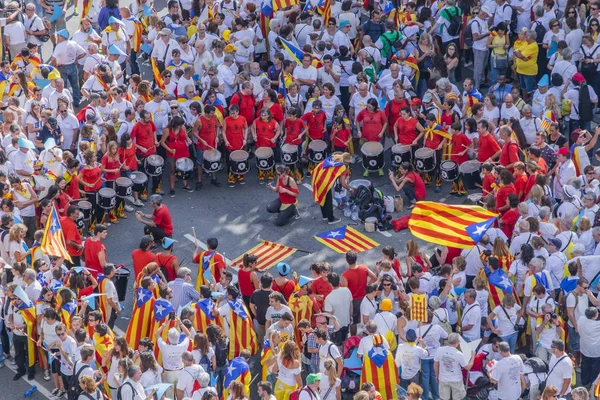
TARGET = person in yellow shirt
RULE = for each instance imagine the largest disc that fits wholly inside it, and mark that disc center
(525, 52)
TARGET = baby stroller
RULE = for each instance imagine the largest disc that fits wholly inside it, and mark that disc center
(352, 366)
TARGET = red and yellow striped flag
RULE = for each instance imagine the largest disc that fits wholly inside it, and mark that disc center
(268, 253)
(157, 77)
(324, 176)
(418, 307)
(380, 369)
(446, 224)
(85, 10)
(241, 330)
(279, 4)
(103, 300)
(346, 238)
(326, 12)
(302, 308)
(203, 317)
(142, 318)
(265, 354)
(53, 242)
(137, 33)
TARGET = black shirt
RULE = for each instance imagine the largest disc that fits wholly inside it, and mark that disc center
(260, 299)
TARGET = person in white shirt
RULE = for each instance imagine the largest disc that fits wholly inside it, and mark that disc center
(65, 57)
(328, 350)
(432, 334)
(560, 369)
(409, 356)
(368, 305)
(114, 307)
(546, 331)
(227, 76)
(537, 276)
(132, 389)
(163, 47)
(556, 261)
(265, 391)
(190, 373)
(366, 343)
(588, 327)
(507, 315)
(479, 28)
(305, 75)
(15, 37)
(339, 303)
(385, 320)
(576, 303)
(358, 101)
(508, 374)
(448, 366)
(159, 109)
(471, 317)
(67, 346)
(172, 361)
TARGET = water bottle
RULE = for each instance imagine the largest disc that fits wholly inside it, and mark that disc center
(30, 391)
(355, 213)
(347, 210)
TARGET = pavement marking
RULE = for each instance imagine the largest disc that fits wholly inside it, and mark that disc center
(40, 388)
(308, 186)
(385, 233)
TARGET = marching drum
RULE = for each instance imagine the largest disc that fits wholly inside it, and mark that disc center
(449, 170)
(239, 162)
(139, 180)
(107, 198)
(183, 168)
(123, 186)
(425, 159)
(469, 170)
(400, 153)
(265, 159)
(317, 150)
(289, 154)
(154, 165)
(473, 199)
(372, 156)
(80, 221)
(359, 182)
(212, 161)
(43, 182)
(86, 209)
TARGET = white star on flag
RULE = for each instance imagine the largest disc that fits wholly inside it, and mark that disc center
(159, 309)
(230, 369)
(141, 295)
(480, 229)
(378, 351)
(334, 234)
(505, 282)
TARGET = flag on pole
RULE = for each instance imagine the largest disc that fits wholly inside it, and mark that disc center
(280, 4)
(142, 318)
(297, 53)
(53, 242)
(447, 224)
(268, 253)
(157, 77)
(380, 368)
(324, 176)
(418, 307)
(27, 310)
(326, 11)
(499, 285)
(241, 330)
(346, 238)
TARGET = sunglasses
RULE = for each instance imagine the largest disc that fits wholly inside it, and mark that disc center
(62, 334)
(174, 108)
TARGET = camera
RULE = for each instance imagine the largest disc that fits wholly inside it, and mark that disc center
(553, 316)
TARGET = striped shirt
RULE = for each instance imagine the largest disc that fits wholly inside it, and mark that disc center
(183, 293)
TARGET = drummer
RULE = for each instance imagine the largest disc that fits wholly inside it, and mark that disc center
(129, 163)
(316, 120)
(410, 184)
(91, 179)
(374, 125)
(176, 141)
(285, 205)
(143, 135)
(205, 131)
(111, 168)
(295, 130)
(435, 139)
(408, 130)
(266, 131)
(459, 146)
(235, 135)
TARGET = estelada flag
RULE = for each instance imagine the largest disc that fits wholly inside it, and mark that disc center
(102, 344)
(265, 354)
(241, 330)
(346, 238)
(499, 285)
(460, 226)
(238, 370)
(268, 253)
(53, 242)
(324, 176)
(302, 308)
(279, 4)
(208, 261)
(157, 77)
(142, 318)
(162, 309)
(27, 310)
(203, 316)
(418, 307)
(380, 369)
(67, 311)
(103, 301)
(137, 33)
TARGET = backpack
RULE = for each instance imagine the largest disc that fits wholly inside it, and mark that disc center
(119, 397)
(196, 385)
(205, 363)
(221, 354)
(563, 307)
(389, 336)
(395, 44)
(513, 18)
(519, 152)
(540, 31)
(588, 68)
(295, 395)
(73, 389)
(363, 197)
(537, 365)
(468, 37)
(585, 104)
(456, 21)
(163, 267)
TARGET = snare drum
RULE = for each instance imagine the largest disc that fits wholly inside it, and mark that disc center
(80, 221)
(107, 198)
(400, 153)
(265, 159)
(154, 165)
(317, 150)
(139, 180)
(212, 161)
(469, 171)
(86, 209)
(449, 170)
(124, 187)
(239, 162)
(473, 199)
(289, 154)
(425, 159)
(372, 156)
(183, 168)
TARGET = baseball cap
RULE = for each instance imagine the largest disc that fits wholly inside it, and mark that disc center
(427, 98)
(555, 242)
(386, 305)
(411, 335)
(563, 151)
(578, 78)
(312, 378)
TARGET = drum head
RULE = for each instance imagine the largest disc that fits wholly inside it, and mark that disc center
(124, 181)
(84, 205)
(107, 192)
(448, 165)
(289, 148)
(238, 155)
(423, 152)
(184, 164)
(155, 160)
(317, 145)
(469, 167)
(359, 182)
(372, 149)
(264, 152)
(138, 177)
(400, 148)
(212, 155)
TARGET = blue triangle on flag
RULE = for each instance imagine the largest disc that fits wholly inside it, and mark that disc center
(337, 234)
(477, 230)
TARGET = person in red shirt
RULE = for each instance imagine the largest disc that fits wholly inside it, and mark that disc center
(410, 184)
(295, 131)
(265, 131)
(95, 252)
(340, 135)
(373, 121)
(434, 141)
(407, 129)
(489, 150)
(459, 146)
(72, 236)
(143, 255)
(91, 179)
(205, 131)
(532, 170)
(509, 154)
(356, 278)
(159, 224)
(506, 178)
(129, 162)
(245, 100)
(396, 105)
(488, 183)
(235, 135)
(316, 120)
(111, 168)
(286, 202)
(511, 216)
(72, 178)
(175, 141)
(144, 139)
(520, 180)
(320, 286)
(271, 102)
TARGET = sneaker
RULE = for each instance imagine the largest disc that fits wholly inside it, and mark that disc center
(76, 11)
(187, 189)
(215, 183)
(47, 375)
(438, 189)
(470, 63)
(297, 216)
(60, 394)
(597, 111)
(30, 377)
(128, 208)
(172, 193)
(12, 363)
(242, 181)
(198, 185)
(55, 392)
(366, 173)
(231, 184)
(18, 376)
(298, 181)
(380, 172)
(335, 221)
(261, 181)
(324, 218)
(138, 203)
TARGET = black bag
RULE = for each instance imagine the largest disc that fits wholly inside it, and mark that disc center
(73, 389)
(585, 104)
(540, 31)
(351, 381)
(221, 354)
(537, 365)
(468, 37)
(588, 68)
(542, 384)
(363, 197)
(456, 21)
(513, 18)
(374, 210)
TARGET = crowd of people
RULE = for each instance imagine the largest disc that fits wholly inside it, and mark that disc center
(87, 128)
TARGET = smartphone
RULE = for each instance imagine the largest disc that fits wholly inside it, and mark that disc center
(172, 315)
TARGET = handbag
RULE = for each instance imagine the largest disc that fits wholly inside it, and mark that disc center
(500, 61)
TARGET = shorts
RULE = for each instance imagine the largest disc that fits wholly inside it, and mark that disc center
(452, 390)
(573, 339)
(199, 156)
(528, 82)
(356, 317)
(57, 25)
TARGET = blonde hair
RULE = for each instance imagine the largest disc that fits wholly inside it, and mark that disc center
(414, 391)
(552, 104)
(362, 395)
(15, 231)
(344, 157)
(500, 248)
(412, 248)
(535, 194)
(330, 371)
(460, 263)
(550, 391)
(479, 283)
(584, 224)
(89, 385)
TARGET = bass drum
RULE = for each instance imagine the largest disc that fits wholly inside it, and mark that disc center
(469, 172)
(154, 165)
(372, 156)
(265, 159)
(289, 154)
(239, 162)
(317, 150)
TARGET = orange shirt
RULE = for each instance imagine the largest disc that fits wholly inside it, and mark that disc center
(265, 131)
(235, 132)
(141, 259)
(487, 147)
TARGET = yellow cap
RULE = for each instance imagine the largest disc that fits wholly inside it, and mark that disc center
(386, 305)
(226, 34)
